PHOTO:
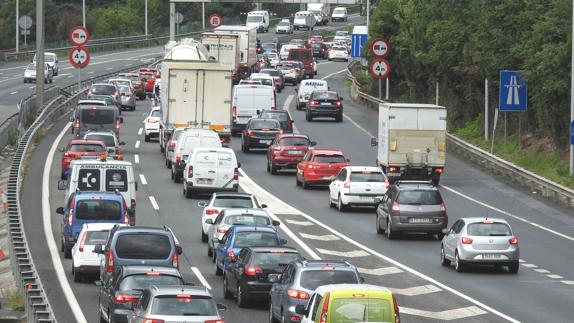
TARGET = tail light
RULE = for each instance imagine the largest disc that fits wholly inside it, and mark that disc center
(231, 255)
(221, 230)
(439, 170)
(77, 124)
(442, 207)
(152, 121)
(298, 294)
(250, 133)
(172, 143)
(393, 169)
(323, 318)
(395, 208)
(513, 241)
(290, 125)
(83, 241)
(133, 203)
(338, 103)
(175, 260)
(387, 184)
(252, 271)
(123, 298)
(117, 93)
(126, 218)
(396, 306)
(110, 260)
(117, 150)
(117, 124)
(236, 174)
(70, 217)
(190, 172)
(313, 102)
(211, 211)
(146, 320)
(128, 94)
(214, 321)
(89, 93)
(178, 158)
(280, 132)
(347, 184)
(234, 112)
(466, 240)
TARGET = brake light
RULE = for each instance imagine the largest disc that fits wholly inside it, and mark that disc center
(221, 230)
(313, 102)
(70, 217)
(442, 207)
(234, 112)
(236, 174)
(395, 208)
(328, 268)
(466, 240)
(172, 143)
(89, 93)
(280, 132)
(110, 266)
(338, 103)
(133, 203)
(190, 172)
(250, 133)
(175, 260)
(230, 254)
(178, 158)
(214, 321)
(117, 93)
(123, 298)
(323, 318)
(298, 294)
(347, 184)
(146, 320)
(153, 273)
(128, 94)
(83, 241)
(513, 241)
(396, 306)
(438, 170)
(393, 169)
(117, 150)
(152, 121)
(252, 271)
(117, 124)
(77, 124)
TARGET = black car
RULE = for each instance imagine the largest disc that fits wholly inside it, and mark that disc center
(122, 290)
(269, 47)
(246, 278)
(282, 116)
(412, 206)
(319, 50)
(259, 133)
(325, 104)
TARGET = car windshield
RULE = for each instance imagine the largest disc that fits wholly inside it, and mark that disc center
(247, 219)
(329, 159)
(351, 310)
(86, 148)
(103, 89)
(264, 124)
(324, 95)
(233, 201)
(183, 305)
(143, 281)
(274, 258)
(96, 237)
(109, 141)
(283, 23)
(255, 239)
(264, 81)
(98, 210)
(31, 66)
(311, 279)
(489, 229)
(281, 116)
(254, 18)
(125, 89)
(294, 141)
(155, 113)
(141, 245)
(367, 176)
(49, 58)
(339, 11)
(419, 197)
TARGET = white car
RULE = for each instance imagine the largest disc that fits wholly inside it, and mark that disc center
(265, 79)
(52, 60)
(338, 53)
(84, 260)
(222, 200)
(284, 27)
(109, 139)
(151, 124)
(273, 59)
(360, 186)
(284, 52)
(30, 73)
(339, 14)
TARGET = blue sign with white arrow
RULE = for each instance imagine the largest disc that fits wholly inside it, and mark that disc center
(513, 94)
(358, 41)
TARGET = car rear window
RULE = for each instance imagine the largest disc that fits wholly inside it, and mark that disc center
(247, 220)
(108, 140)
(143, 245)
(233, 202)
(97, 116)
(299, 55)
(275, 115)
(103, 89)
(255, 239)
(351, 310)
(271, 72)
(262, 124)
(87, 148)
(367, 176)
(155, 113)
(98, 210)
(489, 229)
(274, 258)
(329, 159)
(419, 197)
(264, 81)
(311, 279)
(97, 237)
(294, 141)
(178, 305)
(324, 95)
(142, 281)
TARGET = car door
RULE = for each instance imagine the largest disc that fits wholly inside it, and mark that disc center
(452, 238)
(335, 186)
(302, 164)
(236, 269)
(220, 251)
(276, 292)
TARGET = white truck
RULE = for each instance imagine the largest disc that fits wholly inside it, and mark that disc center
(224, 48)
(247, 47)
(322, 12)
(411, 141)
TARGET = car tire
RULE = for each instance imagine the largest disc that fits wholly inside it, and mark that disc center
(245, 149)
(203, 236)
(172, 174)
(242, 299)
(443, 261)
(218, 271)
(304, 184)
(209, 251)
(146, 138)
(62, 248)
(389, 231)
(378, 222)
(67, 253)
(314, 73)
(297, 182)
(272, 168)
(188, 194)
(340, 206)
(226, 293)
(331, 204)
(339, 118)
(272, 318)
(459, 266)
(308, 116)
(513, 268)
(78, 277)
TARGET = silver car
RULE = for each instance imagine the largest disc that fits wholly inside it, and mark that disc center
(480, 241)
(30, 73)
(189, 304)
(128, 97)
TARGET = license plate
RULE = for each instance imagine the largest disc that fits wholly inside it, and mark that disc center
(325, 103)
(205, 181)
(367, 198)
(294, 152)
(329, 178)
(491, 256)
(266, 142)
(420, 220)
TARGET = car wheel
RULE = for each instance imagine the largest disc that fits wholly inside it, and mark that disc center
(271, 317)
(340, 206)
(218, 271)
(297, 182)
(513, 268)
(443, 261)
(146, 138)
(339, 118)
(242, 299)
(390, 234)
(331, 204)
(77, 276)
(226, 293)
(304, 184)
(272, 168)
(67, 253)
(458, 265)
(314, 73)
(62, 246)
(203, 236)
(308, 116)
(188, 193)
(378, 223)
(172, 174)
(268, 166)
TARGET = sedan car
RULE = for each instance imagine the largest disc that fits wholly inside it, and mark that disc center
(80, 149)
(289, 72)
(30, 74)
(480, 241)
(259, 133)
(357, 186)
(151, 124)
(319, 167)
(338, 53)
(324, 104)
(128, 97)
(284, 27)
(286, 151)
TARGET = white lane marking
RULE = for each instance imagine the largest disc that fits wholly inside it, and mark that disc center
(140, 130)
(137, 145)
(142, 179)
(128, 65)
(542, 271)
(417, 290)
(70, 76)
(137, 158)
(327, 237)
(553, 276)
(346, 254)
(448, 315)
(380, 271)
(567, 282)
(109, 68)
(508, 214)
(31, 87)
(377, 254)
(301, 223)
(64, 74)
(51, 239)
(14, 92)
(92, 72)
(335, 73)
(200, 277)
(358, 126)
(153, 203)
(529, 265)
(521, 260)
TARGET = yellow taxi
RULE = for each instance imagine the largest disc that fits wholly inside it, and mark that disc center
(350, 303)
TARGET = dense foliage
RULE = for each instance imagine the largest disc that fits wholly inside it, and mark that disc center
(460, 43)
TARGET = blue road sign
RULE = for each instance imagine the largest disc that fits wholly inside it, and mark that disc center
(572, 132)
(512, 96)
(358, 41)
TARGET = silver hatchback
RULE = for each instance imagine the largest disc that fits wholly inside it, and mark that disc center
(480, 241)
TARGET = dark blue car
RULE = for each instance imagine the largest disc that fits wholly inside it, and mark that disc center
(239, 237)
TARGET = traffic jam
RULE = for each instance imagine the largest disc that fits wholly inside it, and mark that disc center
(223, 100)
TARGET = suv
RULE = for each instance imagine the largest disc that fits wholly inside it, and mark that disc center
(300, 278)
(124, 288)
(105, 89)
(412, 206)
(137, 246)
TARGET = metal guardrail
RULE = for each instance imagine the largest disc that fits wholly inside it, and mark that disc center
(491, 162)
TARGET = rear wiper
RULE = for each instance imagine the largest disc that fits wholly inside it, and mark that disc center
(498, 235)
(191, 314)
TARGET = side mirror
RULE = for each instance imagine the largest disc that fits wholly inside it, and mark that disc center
(283, 241)
(62, 184)
(374, 141)
(238, 165)
(99, 249)
(122, 143)
(313, 143)
(273, 278)
(60, 210)
(202, 203)
(445, 231)
(221, 307)
(277, 223)
(178, 250)
(300, 309)
(263, 206)
(209, 221)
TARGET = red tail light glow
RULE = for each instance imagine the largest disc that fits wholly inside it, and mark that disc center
(214, 321)
(513, 241)
(126, 218)
(234, 112)
(153, 273)
(252, 271)
(313, 102)
(221, 230)
(347, 184)
(70, 217)
(146, 320)
(466, 240)
(77, 124)
(395, 208)
(177, 158)
(338, 103)
(172, 143)
(442, 207)
(250, 133)
(298, 294)
(123, 298)
(110, 260)
(117, 124)
(133, 203)
(438, 170)
(175, 260)
(83, 241)
(190, 172)
(393, 169)
(211, 211)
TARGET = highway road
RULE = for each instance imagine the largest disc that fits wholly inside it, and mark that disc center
(543, 290)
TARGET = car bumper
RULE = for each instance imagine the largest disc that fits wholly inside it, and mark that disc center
(325, 111)
(318, 179)
(360, 199)
(418, 227)
(258, 288)
(120, 315)
(286, 162)
(474, 256)
(152, 130)
(88, 269)
(258, 142)
(232, 187)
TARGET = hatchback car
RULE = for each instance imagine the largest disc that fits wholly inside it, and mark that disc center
(151, 124)
(30, 73)
(338, 53)
(273, 58)
(277, 77)
(105, 89)
(289, 71)
(284, 27)
(282, 116)
(319, 167)
(480, 241)
(259, 133)
(300, 278)
(319, 50)
(324, 104)
(412, 206)
(109, 139)
(357, 186)
(128, 97)
(247, 277)
(122, 291)
(80, 149)
(137, 83)
(286, 151)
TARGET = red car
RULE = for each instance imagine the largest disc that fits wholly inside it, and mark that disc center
(319, 167)
(139, 88)
(287, 151)
(80, 148)
(148, 78)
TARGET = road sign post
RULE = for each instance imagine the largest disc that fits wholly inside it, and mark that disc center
(358, 40)
(513, 92)
(215, 20)
(79, 56)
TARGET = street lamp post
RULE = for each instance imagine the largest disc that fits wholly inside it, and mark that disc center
(84, 13)
(145, 17)
(39, 53)
(17, 27)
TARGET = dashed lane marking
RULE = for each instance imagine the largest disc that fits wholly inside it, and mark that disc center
(31, 87)
(448, 315)
(380, 271)
(142, 179)
(301, 223)
(529, 265)
(417, 290)
(140, 130)
(137, 158)
(14, 92)
(542, 271)
(554, 276)
(109, 68)
(153, 203)
(346, 254)
(92, 72)
(567, 282)
(202, 279)
(137, 145)
(327, 237)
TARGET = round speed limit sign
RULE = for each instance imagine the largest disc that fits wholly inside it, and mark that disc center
(215, 20)
(380, 68)
(79, 57)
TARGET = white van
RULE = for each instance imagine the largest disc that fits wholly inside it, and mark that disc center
(339, 14)
(258, 19)
(304, 20)
(306, 87)
(190, 139)
(211, 170)
(51, 59)
(103, 175)
(284, 52)
(246, 101)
